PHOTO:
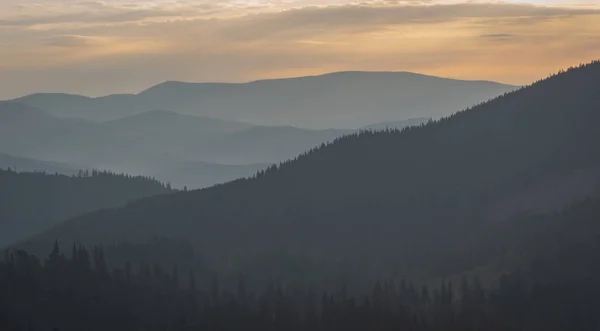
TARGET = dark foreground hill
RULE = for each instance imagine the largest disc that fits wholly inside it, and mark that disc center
(33, 202)
(76, 290)
(338, 100)
(397, 201)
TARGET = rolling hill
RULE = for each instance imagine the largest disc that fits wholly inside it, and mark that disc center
(32, 202)
(398, 201)
(162, 121)
(156, 143)
(338, 100)
(27, 131)
(81, 107)
(153, 143)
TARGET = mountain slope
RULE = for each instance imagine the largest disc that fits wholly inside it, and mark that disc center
(33, 202)
(77, 106)
(157, 121)
(153, 142)
(396, 125)
(195, 175)
(265, 144)
(395, 199)
(31, 132)
(338, 100)
(21, 124)
(159, 143)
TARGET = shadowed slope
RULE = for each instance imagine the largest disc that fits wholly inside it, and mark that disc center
(399, 198)
(34, 202)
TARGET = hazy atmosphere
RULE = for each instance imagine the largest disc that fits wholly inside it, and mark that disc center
(120, 46)
(299, 165)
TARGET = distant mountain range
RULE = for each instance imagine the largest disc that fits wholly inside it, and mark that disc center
(157, 143)
(21, 164)
(227, 130)
(417, 202)
(346, 100)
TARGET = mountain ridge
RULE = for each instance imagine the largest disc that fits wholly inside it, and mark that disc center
(398, 199)
(156, 142)
(336, 100)
(324, 75)
(31, 202)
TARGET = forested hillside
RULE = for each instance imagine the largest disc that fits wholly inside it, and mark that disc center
(77, 290)
(31, 202)
(393, 201)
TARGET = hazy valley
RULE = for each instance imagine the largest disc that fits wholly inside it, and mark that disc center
(501, 198)
(162, 131)
(299, 165)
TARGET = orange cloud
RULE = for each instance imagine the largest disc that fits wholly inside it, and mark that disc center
(125, 47)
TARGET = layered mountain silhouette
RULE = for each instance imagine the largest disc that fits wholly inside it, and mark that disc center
(339, 100)
(21, 164)
(157, 143)
(26, 130)
(30, 132)
(166, 122)
(397, 201)
(31, 202)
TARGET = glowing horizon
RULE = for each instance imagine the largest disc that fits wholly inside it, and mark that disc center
(124, 46)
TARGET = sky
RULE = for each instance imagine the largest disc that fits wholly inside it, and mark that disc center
(100, 47)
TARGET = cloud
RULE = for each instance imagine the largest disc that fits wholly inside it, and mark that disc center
(109, 16)
(125, 46)
(97, 12)
(498, 36)
(279, 14)
(350, 18)
(72, 41)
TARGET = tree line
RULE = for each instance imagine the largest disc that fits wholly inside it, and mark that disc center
(31, 202)
(394, 201)
(78, 291)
